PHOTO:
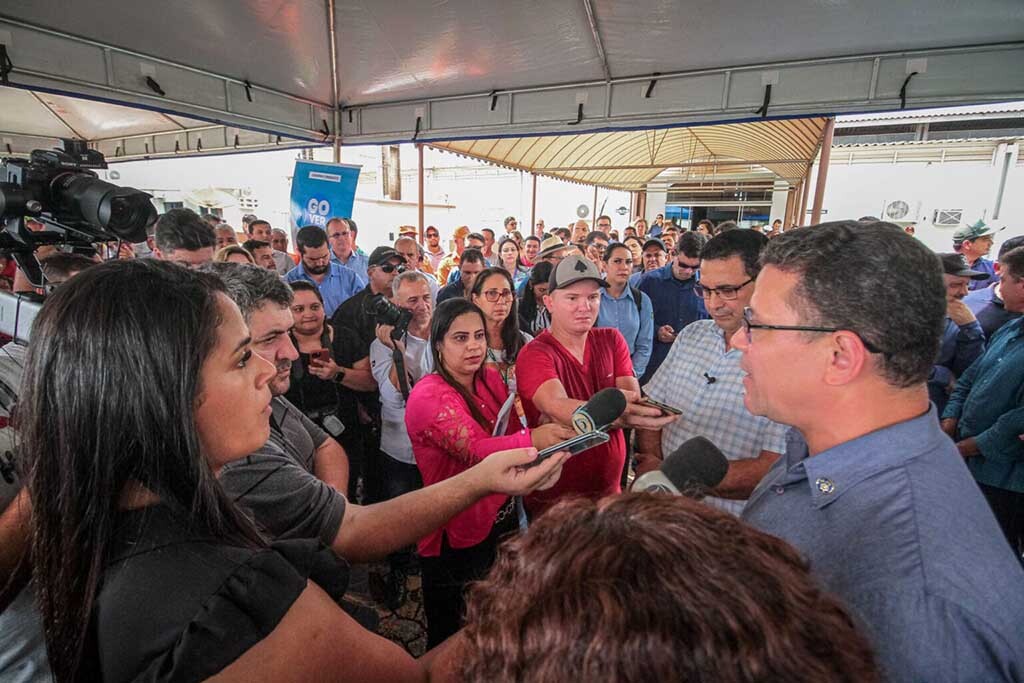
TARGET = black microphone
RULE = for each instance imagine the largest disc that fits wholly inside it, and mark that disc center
(600, 411)
(691, 470)
(709, 379)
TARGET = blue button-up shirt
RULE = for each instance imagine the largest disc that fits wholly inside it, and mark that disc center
(675, 304)
(988, 308)
(637, 326)
(892, 523)
(960, 346)
(989, 402)
(357, 261)
(985, 266)
(339, 284)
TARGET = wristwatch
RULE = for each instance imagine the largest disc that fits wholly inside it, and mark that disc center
(340, 377)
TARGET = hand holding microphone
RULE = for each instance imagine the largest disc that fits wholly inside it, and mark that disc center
(692, 470)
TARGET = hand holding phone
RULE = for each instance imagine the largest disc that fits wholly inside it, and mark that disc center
(663, 407)
(576, 444)
(320, 356)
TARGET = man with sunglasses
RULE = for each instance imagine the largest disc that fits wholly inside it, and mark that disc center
(701, 376)
(335, 282)
(433, 247)
(838, 342)
(672, 295)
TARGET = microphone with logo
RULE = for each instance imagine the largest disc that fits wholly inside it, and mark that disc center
(598, 414)
(692, 470)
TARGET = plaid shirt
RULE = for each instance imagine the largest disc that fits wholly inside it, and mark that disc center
(715, 409)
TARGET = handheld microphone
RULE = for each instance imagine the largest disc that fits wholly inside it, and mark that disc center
(691, 470)
(600, 411)
(709, 379)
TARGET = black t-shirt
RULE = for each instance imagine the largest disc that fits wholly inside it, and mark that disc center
(181, 606)
(351, 316)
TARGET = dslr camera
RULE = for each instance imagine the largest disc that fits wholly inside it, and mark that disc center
(386, 313)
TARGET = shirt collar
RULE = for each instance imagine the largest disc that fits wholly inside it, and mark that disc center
(835, 471)
(627, 293)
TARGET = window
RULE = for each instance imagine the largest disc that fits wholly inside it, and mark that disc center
(173, 205)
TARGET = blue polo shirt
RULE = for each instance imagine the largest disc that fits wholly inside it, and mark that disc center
(959, 346)
(674, 303)
(985, 266)
(636, 325)
(357, 261)
(989, 402)
(988, 309)
(339, 284)
(892, 523)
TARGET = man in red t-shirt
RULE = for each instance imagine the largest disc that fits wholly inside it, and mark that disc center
(566, 365)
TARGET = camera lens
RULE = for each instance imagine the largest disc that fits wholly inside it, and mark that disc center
(123, 211)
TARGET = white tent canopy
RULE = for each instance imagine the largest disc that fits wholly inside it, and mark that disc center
(466, 68)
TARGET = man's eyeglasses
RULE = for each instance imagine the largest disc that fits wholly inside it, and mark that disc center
(725, 292)
(687, 266)
(493, 295)
(748, 326)
(392, 267)
(432, 235)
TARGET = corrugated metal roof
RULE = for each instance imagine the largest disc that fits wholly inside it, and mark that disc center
(941, 113)
(628, 160)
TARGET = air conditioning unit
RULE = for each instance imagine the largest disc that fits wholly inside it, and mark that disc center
(897, 210)
(948, 218)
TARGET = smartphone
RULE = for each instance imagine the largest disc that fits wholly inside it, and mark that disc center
(667, 409)
(576, 444)
(320, 355)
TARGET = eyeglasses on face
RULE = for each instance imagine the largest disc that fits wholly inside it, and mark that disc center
(748, 326)
(493, 295)
(392, 267)
(725, 292)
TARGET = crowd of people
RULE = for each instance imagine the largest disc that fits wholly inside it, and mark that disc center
(213, 434)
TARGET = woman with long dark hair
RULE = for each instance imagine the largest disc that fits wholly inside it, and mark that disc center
(457, 416)
(510, 259)
(140, 385)
(533, 315)
(494, 292)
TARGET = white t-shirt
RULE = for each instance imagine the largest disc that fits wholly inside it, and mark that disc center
(394, 437)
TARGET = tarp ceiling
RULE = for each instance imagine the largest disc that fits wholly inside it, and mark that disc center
(38, 120)
(472, 68)
(629, 160)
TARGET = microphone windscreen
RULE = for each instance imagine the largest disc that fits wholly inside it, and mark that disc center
(601, 410)
(697, 463)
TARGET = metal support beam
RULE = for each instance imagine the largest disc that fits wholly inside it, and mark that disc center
(593, 215)
(335, 85)
(790, 200)
(823, 162)
(420, 200)
(598, 43)
(533, 206)
(806, 186)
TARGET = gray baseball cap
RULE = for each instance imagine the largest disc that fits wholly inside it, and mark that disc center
(571, 270)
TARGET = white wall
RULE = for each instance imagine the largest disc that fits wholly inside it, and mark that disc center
(857, 190)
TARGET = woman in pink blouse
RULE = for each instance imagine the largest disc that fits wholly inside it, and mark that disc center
(455, 418)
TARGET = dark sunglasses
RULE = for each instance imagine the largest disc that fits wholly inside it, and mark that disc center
(392, 267)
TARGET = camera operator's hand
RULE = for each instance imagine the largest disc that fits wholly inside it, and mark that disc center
(549, 434)
(505, 472)
(384, 335)
(326, 370)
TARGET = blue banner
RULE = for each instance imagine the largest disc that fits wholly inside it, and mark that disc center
(321, 191)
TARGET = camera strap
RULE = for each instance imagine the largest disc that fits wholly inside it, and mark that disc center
(403, 377)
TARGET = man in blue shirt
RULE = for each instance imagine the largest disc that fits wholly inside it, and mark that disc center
(343, 252)
(626, 308)
(974, 243)
(869, 489)
(985, 414)
(987, 303)
(335, 282)
(675, 303)
(962, 339)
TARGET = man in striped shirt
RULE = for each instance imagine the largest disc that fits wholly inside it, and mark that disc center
(701, 376)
